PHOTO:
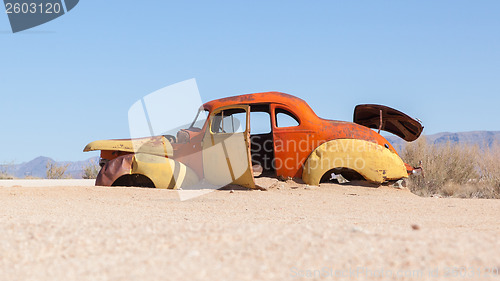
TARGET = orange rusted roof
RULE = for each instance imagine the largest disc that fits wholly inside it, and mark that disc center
(265, 97)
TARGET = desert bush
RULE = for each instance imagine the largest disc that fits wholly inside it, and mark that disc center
(490, 166)
(91, 170)
(5, 171)
(456, 170)
(55, 171)
(5, 175)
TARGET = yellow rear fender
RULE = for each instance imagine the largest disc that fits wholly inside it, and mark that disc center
(372, 161)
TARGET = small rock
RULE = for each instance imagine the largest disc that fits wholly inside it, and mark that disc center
(400, 184)
(415, 227)
(360, 230)
(231, 191)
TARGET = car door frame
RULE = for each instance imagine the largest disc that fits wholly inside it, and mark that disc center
(213, 164)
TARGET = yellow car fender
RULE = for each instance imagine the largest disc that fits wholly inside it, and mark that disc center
(164, 172)
(372, 161)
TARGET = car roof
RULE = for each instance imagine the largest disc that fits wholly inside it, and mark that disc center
(258, 98)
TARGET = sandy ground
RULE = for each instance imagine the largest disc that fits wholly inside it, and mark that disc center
(45, 182)
(287, 233)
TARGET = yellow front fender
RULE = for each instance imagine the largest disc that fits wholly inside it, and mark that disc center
(372, 161)
(164, 172)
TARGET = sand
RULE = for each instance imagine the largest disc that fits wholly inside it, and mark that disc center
(290, 232)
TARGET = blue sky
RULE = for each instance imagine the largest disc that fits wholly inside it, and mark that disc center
(72, 80)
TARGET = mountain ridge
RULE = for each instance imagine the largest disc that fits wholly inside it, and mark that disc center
(37, 168)
(483, 139)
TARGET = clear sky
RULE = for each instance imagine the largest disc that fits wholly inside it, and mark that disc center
(72, 80)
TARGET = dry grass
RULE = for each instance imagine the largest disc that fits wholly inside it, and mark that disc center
(454, 170)
(32, 178)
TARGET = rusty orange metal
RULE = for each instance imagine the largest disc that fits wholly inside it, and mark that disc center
(311, 132)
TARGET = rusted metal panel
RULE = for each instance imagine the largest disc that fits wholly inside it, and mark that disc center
(114, 169)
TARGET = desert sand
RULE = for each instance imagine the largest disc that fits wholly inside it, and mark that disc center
(290, 232)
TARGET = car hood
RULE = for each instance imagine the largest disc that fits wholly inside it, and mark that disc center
(157, 145)
(393, 121)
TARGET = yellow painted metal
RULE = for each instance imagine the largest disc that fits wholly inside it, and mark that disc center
(157, 145)
(226, 156)
(372, 161)
(164, 172)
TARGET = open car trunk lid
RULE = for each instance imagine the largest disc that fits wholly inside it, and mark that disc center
(388, 119)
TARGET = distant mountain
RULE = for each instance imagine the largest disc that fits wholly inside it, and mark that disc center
(33, 168)
(482, 139)
(38, 167)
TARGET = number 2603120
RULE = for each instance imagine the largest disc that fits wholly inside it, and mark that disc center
(33, 8)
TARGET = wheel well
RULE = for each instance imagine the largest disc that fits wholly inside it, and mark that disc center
(348, 174)
(134, 180)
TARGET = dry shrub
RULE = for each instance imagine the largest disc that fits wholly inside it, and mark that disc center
(5, 176)
(91, 170)
(455, 170)
(5, 171)
(55, 171)
(489, 165)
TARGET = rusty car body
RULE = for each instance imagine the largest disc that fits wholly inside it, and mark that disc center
(291, 142)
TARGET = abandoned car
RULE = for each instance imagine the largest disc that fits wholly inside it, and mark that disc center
(232, 140)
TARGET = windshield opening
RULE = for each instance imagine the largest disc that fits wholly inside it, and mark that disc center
(200, 118)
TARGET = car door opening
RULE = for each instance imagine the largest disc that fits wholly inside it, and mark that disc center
(261, 139)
